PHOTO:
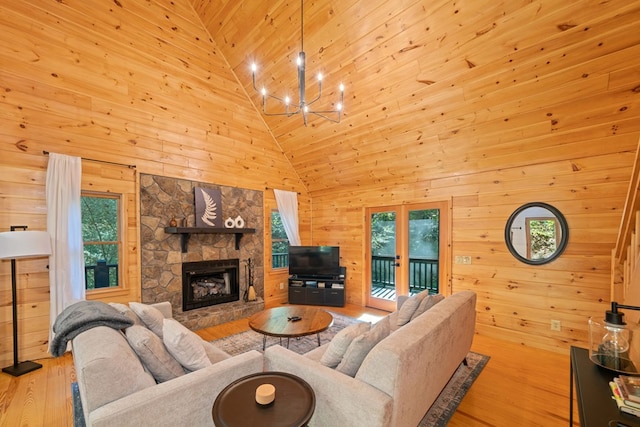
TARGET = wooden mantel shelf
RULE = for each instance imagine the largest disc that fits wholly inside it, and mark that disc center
(186, 232)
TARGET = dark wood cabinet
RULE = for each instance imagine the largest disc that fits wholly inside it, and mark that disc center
(316, 291)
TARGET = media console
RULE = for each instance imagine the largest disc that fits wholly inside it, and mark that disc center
(317, 290)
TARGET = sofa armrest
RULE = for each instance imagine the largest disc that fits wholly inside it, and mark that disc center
(340, 399)
(186, 400)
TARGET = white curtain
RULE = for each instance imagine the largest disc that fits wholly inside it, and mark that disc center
(64, 223)
(287, 202)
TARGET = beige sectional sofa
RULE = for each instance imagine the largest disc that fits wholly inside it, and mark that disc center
(117, 390)
(395, 384)
(400, 377)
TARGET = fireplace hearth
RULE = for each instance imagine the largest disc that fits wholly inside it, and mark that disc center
(207, 283)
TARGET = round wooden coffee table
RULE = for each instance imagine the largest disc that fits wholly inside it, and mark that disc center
(275, 322)
(293, 406)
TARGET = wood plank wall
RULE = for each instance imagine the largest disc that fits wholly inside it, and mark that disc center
(515, 301)
(128, 82)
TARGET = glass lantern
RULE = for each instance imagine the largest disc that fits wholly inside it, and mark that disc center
(613, 344)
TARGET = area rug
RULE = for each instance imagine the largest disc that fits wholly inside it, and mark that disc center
(78, 414)
(440, 412)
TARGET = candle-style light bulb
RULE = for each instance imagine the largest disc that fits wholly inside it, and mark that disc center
(339, 106)
(341, 87)
(254, 67)
(319, 77)
(287, 100)
(264, 92)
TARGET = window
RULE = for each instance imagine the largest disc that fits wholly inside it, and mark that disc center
(101, 237)
(279, 242)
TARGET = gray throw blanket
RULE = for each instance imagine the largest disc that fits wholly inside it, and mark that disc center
(80, 317)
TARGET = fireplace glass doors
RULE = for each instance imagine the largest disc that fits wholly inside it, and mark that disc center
(206, 283)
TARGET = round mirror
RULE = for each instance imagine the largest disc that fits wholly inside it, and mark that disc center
(536, 233)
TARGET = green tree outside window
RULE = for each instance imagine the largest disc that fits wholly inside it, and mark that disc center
(101, 238)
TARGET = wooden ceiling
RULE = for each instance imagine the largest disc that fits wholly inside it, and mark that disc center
(432, 87)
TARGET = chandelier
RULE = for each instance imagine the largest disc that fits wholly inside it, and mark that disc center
(303, 106)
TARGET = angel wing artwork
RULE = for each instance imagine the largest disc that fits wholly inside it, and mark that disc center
(208, 203)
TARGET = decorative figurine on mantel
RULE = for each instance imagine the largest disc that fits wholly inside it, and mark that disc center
(250, 293)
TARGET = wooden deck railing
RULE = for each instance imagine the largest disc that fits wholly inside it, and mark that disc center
(423, 273)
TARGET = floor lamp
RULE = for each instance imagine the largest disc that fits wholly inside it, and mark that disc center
(21, 244)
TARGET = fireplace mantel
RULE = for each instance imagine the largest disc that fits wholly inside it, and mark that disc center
(186, 232)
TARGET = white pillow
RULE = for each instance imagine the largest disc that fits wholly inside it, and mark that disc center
(214, 354)
(340, 342)
(150, 316)
(409, 307)
(153, 354)
(184, 345)
(361, 346)
(426, 304)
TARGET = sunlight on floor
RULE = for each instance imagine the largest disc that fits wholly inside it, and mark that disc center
(370, 318)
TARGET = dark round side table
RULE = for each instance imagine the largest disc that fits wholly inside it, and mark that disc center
(293, 406)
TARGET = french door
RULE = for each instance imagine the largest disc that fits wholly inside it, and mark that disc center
(407, 251)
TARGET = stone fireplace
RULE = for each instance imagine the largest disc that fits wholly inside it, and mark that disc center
(207, 283)
(164, 255)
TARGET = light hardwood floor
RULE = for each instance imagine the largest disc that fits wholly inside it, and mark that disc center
(520, 386)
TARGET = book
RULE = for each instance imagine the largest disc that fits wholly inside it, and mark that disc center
(623, 394)
(617, 396)
(630, 387)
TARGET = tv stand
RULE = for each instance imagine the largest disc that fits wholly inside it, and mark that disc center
(317, 290)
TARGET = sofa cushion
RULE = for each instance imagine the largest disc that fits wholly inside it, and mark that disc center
(426, 304)
(126, 311)
(185, 345)
(409, 307)
(340, 342)
(361, 346)
(153, 354)
(214, 354)
(150, 316)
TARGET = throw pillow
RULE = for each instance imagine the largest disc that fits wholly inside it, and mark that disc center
(150, 316)
(361, 346)
(426, 304)
(126, 311)
(409, 307)
(185, 345)
(340, 342)
(214, 354)
(153, 354)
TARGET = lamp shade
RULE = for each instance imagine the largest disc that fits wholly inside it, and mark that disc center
(24, 244)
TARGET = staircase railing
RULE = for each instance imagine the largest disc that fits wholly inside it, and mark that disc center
(625, 258)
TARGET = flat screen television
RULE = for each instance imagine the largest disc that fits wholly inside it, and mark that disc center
(314, 260)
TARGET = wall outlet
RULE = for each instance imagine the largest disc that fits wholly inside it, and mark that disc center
(460, 259)
(555, 325)
(281, 285)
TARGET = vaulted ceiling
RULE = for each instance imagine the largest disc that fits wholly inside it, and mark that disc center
(432, 87)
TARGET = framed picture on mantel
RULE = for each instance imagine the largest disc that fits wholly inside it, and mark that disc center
(208, 207)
